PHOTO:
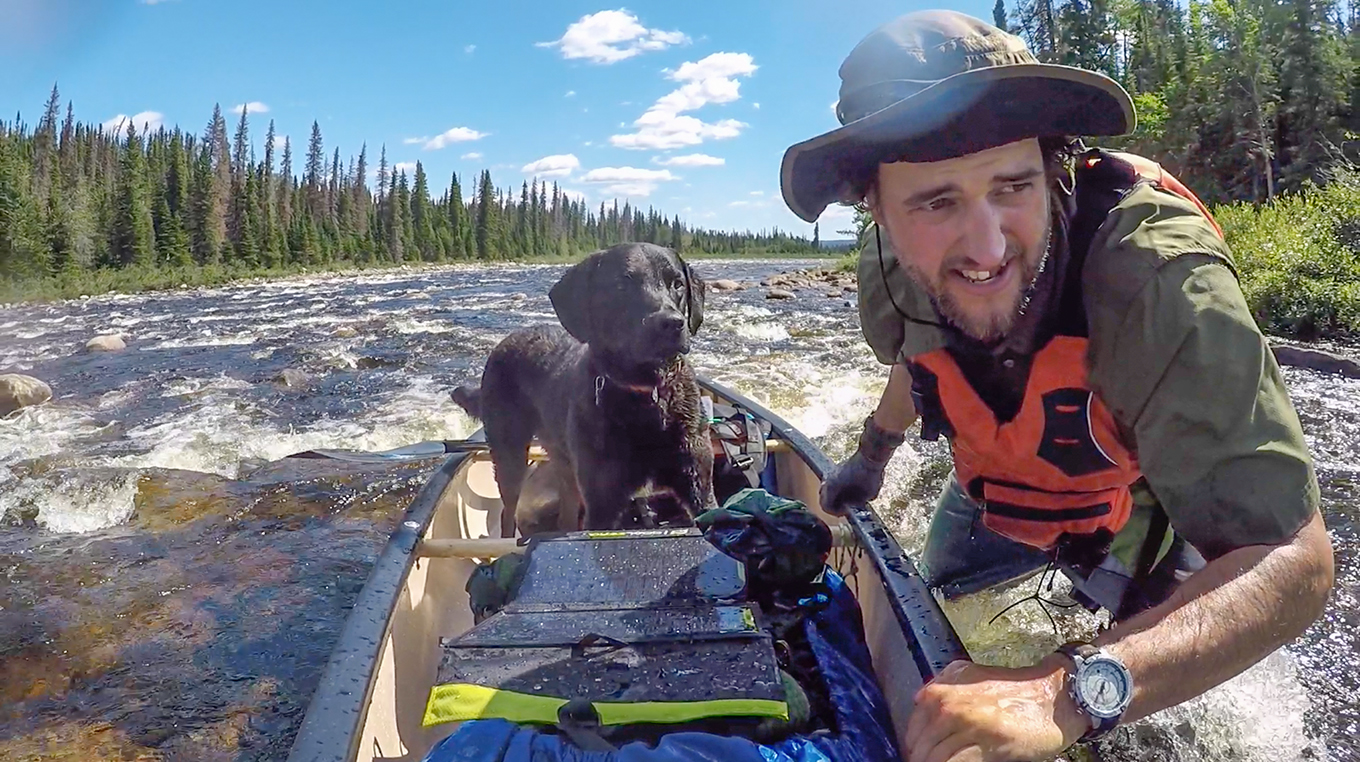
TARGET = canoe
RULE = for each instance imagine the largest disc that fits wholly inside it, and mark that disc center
(372, 695)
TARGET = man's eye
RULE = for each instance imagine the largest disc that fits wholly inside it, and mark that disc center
(1017, 187)
(938, 204)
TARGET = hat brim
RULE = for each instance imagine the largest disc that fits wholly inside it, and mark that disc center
(961, 114)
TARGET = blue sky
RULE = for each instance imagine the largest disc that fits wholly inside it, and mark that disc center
(686, 106)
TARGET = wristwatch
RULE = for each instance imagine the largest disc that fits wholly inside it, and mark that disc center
(1100, 684)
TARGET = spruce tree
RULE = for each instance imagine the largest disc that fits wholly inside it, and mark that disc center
(133, 242)
(486, 233)
(422, 219)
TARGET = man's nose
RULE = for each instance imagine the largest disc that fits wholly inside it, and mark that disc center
(984, 238)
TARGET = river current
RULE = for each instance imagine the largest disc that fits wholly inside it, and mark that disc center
(171, 589)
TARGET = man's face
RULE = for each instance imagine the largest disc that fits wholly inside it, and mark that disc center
(971, 231)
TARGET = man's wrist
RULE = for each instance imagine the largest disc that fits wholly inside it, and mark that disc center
(1067, 715)
(877, 444)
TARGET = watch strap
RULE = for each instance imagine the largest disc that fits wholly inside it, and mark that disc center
(1078, 650)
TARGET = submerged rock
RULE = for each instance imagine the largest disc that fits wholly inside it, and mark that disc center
(292, 378)
(19, 391)
(779, 293)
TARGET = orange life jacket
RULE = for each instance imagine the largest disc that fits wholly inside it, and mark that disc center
(1060, 466)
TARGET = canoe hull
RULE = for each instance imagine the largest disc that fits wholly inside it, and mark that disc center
(370, 701)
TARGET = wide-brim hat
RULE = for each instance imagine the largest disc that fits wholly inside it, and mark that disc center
(935, 85)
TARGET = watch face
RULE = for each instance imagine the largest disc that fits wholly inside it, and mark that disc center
(1105, 687)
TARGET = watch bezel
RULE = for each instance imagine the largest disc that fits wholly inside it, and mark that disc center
(1084, 667)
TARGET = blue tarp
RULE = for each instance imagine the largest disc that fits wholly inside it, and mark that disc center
(836, 635)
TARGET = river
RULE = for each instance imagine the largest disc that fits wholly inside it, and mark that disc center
(171, 590)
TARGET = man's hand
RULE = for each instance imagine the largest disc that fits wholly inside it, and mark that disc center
(860, 478)
(856, 481)
(974, 713)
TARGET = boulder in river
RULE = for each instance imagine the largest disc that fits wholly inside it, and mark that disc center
(345, 332)
(109, 342)
(724, 284)
(19, 391)
(1315, 359)
(779, 293)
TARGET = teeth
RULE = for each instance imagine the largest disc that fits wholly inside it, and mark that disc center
(978, 276)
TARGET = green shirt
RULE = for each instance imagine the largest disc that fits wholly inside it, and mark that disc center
(1177, 358)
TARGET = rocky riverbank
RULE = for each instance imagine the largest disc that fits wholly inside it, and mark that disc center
(818, 281)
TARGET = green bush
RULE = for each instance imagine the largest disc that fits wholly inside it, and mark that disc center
(1299, 259)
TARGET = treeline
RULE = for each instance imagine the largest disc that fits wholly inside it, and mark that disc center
(76, 198)
(1243, 99)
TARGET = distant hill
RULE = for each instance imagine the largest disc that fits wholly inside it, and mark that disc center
(838, 244)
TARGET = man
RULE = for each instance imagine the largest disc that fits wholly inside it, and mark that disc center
(1071, 322)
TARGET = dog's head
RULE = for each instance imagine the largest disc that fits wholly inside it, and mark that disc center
(636, 300)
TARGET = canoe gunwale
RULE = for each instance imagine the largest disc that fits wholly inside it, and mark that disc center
(330, 728)
(934, 642)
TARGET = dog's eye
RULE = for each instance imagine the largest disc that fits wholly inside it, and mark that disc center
(678, 285)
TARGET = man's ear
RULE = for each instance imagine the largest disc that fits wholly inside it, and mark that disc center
(694, 297)
(570, 297)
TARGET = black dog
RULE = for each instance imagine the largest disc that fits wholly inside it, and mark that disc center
(611, 398)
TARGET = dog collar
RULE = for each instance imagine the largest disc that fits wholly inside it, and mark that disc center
(635, 388)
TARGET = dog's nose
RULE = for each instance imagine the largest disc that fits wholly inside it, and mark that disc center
(672, 324)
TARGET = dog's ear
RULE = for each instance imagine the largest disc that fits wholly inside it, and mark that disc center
(570, 297)
(694, 296)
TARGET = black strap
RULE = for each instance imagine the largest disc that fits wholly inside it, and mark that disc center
(1147, 555)
(579, 721)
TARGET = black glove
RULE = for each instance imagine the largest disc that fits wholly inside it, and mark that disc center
(859, 479)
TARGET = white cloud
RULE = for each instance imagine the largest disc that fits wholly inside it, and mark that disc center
(628, 181)
(757, 193)
(709, 80)
(755, 106)
(254, 107)
(691, 160)
(631, 189)
(570, 94)
(146, 121)
(627, 174)
(448, 138)
(153, 2)
(837, 217)
(408, 167)
(559, 165)
(470, 49)
(611, 36)
(572, 194)
(473, 156)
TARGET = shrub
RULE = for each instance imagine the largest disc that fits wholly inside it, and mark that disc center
(1299, 258)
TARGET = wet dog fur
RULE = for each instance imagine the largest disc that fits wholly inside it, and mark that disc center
(608, 393)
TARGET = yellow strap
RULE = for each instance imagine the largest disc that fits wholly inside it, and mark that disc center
(455, 702)
(623, 713)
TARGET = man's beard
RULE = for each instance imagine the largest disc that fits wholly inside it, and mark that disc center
(995, 325)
